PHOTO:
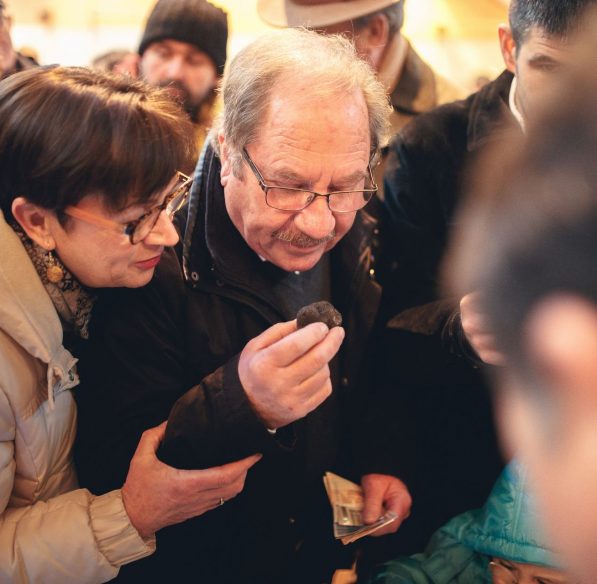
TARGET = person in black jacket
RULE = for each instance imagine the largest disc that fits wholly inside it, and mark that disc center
(425, 362)
(274, 223)
(428, 163)
(528, 247)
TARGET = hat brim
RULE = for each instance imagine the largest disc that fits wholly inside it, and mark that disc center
(286, 13)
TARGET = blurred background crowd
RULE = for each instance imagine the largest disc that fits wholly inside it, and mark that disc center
(456, 37)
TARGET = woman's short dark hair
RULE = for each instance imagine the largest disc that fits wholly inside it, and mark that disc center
(68, 132)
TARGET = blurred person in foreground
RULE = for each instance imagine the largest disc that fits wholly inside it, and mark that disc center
(276, 220)
(528, 250)
(11, 61)
(89, 182)
(426, 361)
(502, 543)
(183, 48)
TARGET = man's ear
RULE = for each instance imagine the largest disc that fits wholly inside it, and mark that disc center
(560, 336)
(371, 41)
(377, 31)
(226, 170)
(35, 221)
(508, 47)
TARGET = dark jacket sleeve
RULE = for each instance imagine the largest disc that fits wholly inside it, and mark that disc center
(421, 184)
(135, 367)
(213, 423)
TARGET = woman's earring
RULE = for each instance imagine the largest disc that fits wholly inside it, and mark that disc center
(54, 272)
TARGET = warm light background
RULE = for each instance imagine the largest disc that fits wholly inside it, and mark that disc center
(458, 37)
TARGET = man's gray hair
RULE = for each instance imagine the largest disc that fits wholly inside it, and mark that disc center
(329, 64)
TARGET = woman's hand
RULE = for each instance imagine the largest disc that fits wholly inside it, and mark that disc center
(156, 495)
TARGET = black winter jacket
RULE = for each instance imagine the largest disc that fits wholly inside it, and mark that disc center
(179, 339)
(426, 172)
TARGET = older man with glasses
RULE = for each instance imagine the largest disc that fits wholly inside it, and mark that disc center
(275, 221)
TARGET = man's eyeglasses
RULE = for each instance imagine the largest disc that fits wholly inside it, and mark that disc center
(140, 228)
(290, 199)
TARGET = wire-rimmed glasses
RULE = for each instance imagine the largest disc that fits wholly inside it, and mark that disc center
(292, 199)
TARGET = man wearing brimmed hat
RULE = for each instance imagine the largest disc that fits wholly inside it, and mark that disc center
(375, 28)
(184, 48)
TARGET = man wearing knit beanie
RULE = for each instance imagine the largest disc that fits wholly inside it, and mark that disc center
(183, 48)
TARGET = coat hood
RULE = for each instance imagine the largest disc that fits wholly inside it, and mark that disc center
(508, 525)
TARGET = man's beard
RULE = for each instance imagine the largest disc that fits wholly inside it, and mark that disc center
(191, 105)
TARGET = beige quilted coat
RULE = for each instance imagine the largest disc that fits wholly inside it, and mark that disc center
(50, 530)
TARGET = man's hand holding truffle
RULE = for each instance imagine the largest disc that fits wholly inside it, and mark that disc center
(285, 373)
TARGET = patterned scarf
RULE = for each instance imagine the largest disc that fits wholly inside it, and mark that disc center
(73, 302)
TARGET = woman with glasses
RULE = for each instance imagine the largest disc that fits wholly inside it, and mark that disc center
(90, 178)
(502, 543)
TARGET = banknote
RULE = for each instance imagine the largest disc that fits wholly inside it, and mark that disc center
(346, 499)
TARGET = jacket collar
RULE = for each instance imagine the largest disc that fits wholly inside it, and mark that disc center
(27, 314)
(415, 89)
(490, 117)
(393, 62)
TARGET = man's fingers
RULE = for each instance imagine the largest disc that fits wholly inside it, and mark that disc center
(309, 348)
(474, 323)
(373, 507)
(317, 396)
(391, 527)
(292, 347)
(272, 335)
(320, 355)
(399, 502)
(492, 358)
(470, 300)
(384, 493)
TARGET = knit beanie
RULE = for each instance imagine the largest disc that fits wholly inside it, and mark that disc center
(196, 22)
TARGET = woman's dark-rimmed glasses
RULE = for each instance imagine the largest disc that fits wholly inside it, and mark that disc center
(140, 228)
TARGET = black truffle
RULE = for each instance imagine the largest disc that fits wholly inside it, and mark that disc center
(319, 312)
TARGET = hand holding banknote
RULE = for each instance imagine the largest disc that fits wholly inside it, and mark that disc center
(349, 503)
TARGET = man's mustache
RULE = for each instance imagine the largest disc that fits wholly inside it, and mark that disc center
(301, 239)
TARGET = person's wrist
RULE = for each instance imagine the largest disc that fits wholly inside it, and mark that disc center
(144, 531)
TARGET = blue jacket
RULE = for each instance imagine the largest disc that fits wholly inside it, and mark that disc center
(459, 552)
